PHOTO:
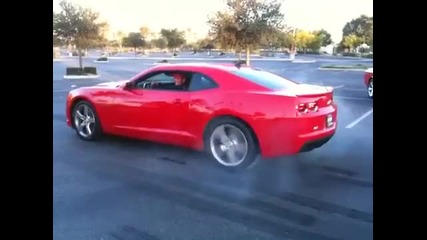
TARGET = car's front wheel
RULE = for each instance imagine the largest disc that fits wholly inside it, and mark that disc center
(371, 88)
(85, 121)
(231, 143)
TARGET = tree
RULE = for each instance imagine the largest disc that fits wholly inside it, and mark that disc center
(119, 38)
(247, 23)
(205, 43)
(134, 40)
(145, 32)
(57, 41)
(362, 27)
(311, 41)
(324, 36)
(303, 40)
(173, 37)
(315, 43)
(351, 41)
(223, 31)
(77, 25)
(161, 43)
(280, 39)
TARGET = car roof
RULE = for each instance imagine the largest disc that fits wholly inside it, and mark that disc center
(197, 65)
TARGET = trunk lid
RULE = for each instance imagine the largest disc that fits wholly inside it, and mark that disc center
(312, 97)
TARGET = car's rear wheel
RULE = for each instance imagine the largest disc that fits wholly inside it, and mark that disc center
(85, 121)
(371, 88)
(231, 143)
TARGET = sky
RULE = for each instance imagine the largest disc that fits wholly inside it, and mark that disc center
(130, 15)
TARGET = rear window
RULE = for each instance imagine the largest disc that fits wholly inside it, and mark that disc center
(265, 79)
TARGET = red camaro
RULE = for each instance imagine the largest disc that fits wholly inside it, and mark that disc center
(234, 113)
(369, 81)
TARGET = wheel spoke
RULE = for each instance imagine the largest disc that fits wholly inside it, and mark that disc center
(221, 134)
(80, 115)
(231, 156)
(88, 130)
(81, 126)
(241, 148)
(85, 111)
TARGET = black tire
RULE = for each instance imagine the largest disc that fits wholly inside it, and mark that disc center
(371, 82)
(252, 151)
(96, 131)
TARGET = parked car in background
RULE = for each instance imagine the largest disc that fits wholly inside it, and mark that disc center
(369, 81)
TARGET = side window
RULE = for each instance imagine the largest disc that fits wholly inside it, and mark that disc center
(155, 79)
(160, 78)
(201, 82)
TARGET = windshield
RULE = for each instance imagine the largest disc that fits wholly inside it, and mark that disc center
(266, 79)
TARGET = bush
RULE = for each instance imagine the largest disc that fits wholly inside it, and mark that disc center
(354, 66)
(90, 70)
(175, 54)
(308, 52)
(78, 71)
(102, 59)
(350, 54)
(72, 71)
(369, 55)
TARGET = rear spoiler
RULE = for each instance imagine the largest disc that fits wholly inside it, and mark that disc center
(329, 88)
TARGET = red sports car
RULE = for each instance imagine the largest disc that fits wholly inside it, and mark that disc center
(235, 113)
(369, 81)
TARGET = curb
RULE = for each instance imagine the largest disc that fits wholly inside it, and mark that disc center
(304, 61)
(191, 59)
(80, 77)
(159, 63)
(342, 69)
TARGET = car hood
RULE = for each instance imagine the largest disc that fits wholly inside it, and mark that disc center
(112, 84)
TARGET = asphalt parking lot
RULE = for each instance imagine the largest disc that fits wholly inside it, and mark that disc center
(124, 189)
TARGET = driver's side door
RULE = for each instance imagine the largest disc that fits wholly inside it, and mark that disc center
(153, 109)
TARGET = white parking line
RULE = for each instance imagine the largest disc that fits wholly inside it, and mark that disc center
(355, 89)
(359, 119)
(353, 98)
(339, 86)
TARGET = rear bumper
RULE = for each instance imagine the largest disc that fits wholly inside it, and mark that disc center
(298, 143)
(295, 135)
(317, 143)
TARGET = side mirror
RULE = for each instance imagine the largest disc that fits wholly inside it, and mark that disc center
(128, 86)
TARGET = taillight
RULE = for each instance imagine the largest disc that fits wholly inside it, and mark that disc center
(330, 101)
(302, 108)
(307, 107)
